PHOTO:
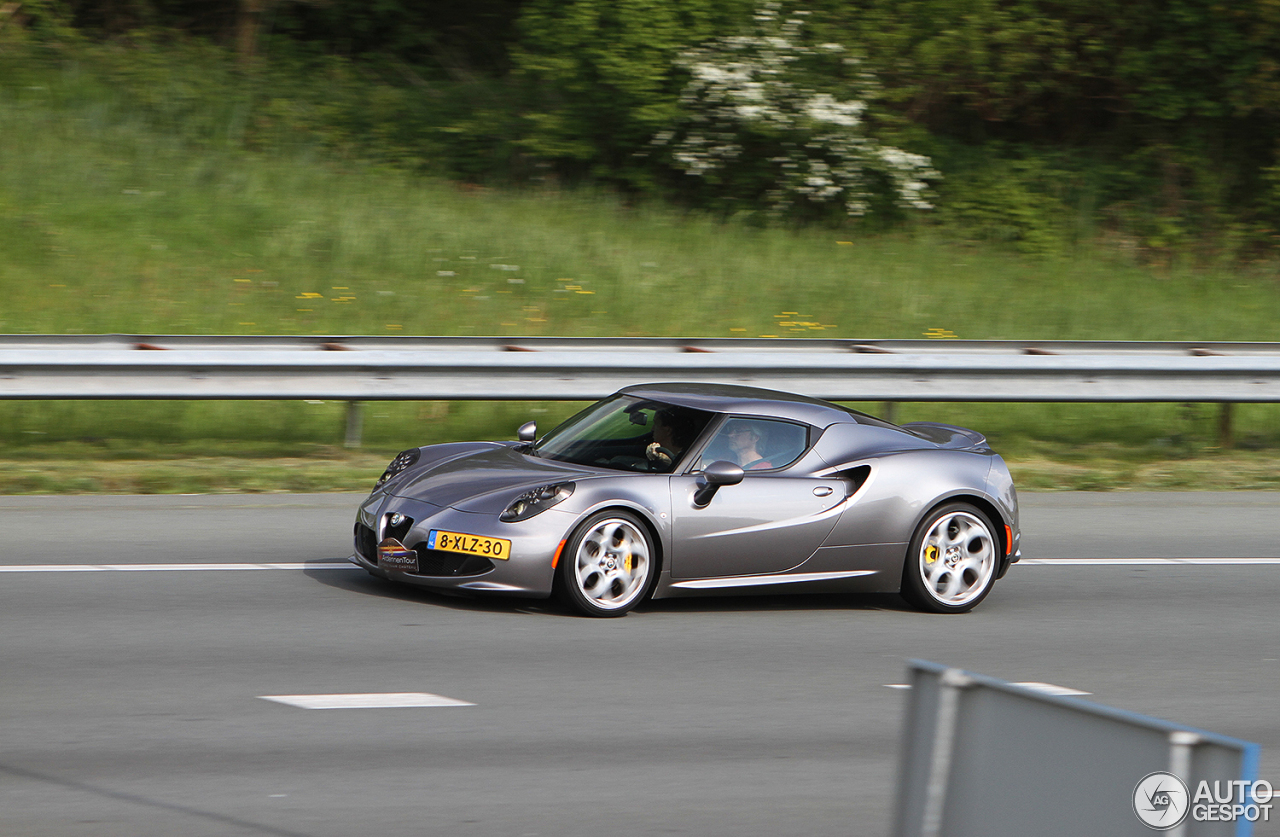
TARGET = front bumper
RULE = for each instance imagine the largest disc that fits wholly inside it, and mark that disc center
(528, 572)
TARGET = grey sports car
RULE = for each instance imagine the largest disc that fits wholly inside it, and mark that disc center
(690, 489)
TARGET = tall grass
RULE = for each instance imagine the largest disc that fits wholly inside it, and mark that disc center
(113, 219)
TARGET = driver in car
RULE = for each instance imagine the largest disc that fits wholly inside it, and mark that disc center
(673, 431)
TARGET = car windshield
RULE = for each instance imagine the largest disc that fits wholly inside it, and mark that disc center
(627, 434)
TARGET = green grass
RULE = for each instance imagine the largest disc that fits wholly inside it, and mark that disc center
(108, 224)
(318, 469)
(240, 467)
(237, 244)
(114, 221)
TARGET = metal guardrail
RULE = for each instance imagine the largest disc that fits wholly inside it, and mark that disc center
(356, 369)
(370, 369)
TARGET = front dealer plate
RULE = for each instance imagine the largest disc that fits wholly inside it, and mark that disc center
(499, 548)
(395, 556)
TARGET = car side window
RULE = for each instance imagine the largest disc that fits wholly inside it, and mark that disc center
(626, 434)
(756, 444)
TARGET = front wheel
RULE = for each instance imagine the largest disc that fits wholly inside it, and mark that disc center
(608, 566)
(951, 562)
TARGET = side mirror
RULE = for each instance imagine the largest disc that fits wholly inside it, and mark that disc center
(713, 476)
(528, 431)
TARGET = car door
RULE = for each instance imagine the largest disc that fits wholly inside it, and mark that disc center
(770, 522)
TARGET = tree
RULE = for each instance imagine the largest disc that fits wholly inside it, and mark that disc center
(756, 122)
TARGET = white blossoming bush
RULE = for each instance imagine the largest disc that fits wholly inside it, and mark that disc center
(754, 123)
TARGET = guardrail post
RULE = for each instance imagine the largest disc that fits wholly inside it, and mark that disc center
(355, 424)
(1180, 745)
(944, 738)
(1226, 438)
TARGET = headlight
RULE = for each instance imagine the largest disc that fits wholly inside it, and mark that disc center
(403, 460)
(535, 502)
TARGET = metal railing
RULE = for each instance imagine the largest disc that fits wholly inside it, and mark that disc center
(357, 369)
(981, 757)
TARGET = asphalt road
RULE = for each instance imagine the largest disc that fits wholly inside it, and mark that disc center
(130, 702)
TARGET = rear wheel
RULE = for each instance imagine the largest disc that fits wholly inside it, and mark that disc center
(608, 566)
(951, 562)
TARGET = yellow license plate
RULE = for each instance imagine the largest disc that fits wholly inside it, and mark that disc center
(499, 548)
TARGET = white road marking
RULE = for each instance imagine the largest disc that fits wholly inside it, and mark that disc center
(1033, 685)
(1137, 562)
(141, 568)
(375, 700)
(344, 565)
(1049, 688)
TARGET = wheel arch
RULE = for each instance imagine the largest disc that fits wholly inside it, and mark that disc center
(579, 599)
(916, 590)
(643, 514)
(987, 507)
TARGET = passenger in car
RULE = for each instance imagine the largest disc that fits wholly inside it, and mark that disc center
(744, 439)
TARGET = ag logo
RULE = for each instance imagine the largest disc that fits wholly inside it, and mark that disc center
(1161, 800)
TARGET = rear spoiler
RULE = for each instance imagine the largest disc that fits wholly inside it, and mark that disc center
(948, 435)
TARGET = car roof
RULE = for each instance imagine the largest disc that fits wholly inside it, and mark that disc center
(750, 401)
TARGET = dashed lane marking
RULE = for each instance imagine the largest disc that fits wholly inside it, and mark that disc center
(1033, 685)
(141, 568)
(344, 565)
(375, 700)
(1049, 688)
(1139, 562)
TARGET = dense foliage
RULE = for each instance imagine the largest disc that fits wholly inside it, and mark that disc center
(1153, 125)
(757, 123)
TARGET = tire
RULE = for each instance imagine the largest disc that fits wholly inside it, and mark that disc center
(608, 566)
(952, 561)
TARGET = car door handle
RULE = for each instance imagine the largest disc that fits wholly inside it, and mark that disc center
(821, 491)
